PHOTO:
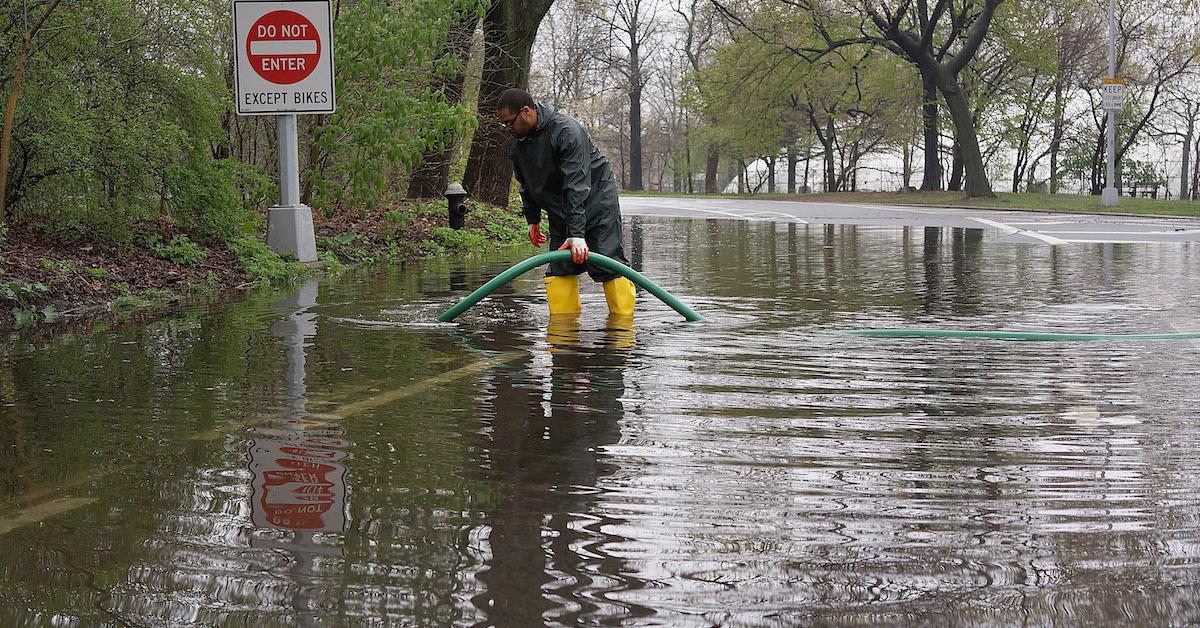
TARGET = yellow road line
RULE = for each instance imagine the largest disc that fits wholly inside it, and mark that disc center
(40, 491)
(43, 511)
(412, 389)
(338, 413)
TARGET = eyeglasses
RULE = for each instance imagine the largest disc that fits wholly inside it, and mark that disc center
(511, 121)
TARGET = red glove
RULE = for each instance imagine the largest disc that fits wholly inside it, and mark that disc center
(579, 249)
(536, 237)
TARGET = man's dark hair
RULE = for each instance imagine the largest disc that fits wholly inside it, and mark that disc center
(514, 99)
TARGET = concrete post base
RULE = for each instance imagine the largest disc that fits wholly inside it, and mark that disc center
(290, 232)
(1108, 197)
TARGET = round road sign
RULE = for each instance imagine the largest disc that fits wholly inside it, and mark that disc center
(283, 47)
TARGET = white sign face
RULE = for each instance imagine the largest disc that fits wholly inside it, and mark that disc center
(284, 56)
(1112, 97)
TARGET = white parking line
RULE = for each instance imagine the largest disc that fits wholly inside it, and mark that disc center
(1025, 232)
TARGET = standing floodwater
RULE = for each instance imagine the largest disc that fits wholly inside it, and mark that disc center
(331, 455)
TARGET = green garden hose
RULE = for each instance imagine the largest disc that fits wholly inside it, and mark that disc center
(546, 258)
(1010, 335)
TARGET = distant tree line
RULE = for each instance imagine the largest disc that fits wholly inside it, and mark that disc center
(117, 112)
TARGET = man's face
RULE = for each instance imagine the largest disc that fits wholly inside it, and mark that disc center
(517, 123)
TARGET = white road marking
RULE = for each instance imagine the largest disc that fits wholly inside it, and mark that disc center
(1025, 232)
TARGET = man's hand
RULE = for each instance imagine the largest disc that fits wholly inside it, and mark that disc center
(579, 249)
(536, 237)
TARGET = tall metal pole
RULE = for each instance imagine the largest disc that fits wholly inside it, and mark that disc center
(289, 161)
(289, 224)
(1109, 197)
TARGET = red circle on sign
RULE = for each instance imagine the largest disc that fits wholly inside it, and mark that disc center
(283, 47)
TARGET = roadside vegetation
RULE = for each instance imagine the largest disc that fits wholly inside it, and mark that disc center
(130, 184)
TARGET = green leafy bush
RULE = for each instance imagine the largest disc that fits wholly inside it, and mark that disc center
(333, 266)
(465, 240)
(22, 293)
(216, 197)
(181, 250)
(264, 264)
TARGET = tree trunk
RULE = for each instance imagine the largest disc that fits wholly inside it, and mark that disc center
(966, 138)
(228, 119)
(635, 139)
(932, 180)
(712, 170)
(906, 169)
(509, 28)
(1187, 151)
(831, 181)
(1099, 166)
(855, 148)
(956, 170)
(431, 176)
(792, 159)
(10, 110)
(1056, 136)
(770, 173)
(807, 162)
(741, 176)
(687, 152)
(1196, 171)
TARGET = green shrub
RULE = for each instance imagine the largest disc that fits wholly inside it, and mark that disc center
(463, 241)
(22, 293)
(350, 245)
(181, 250)
(262, 263)
(23, 316)
(97, 272)
(216, 197)
(333, 266)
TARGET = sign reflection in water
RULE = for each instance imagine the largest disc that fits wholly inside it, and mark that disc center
(298, 482)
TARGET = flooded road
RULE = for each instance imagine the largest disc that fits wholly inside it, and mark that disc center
(331, 455)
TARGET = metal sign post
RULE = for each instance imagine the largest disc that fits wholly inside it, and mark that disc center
(284, 67)
(1109, 197)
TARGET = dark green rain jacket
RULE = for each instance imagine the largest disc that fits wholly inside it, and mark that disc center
(562, 172)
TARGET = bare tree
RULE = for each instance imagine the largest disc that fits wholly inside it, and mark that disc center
(569, 68)
(1077, 46)
(635, 26)
(1183, 106)
(698, 36)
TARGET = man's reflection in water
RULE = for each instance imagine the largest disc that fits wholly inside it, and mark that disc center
(545, 548)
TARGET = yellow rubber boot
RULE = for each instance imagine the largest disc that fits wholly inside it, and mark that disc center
(563, 294)
(562, 333)
(619, 333)
(619, 293)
